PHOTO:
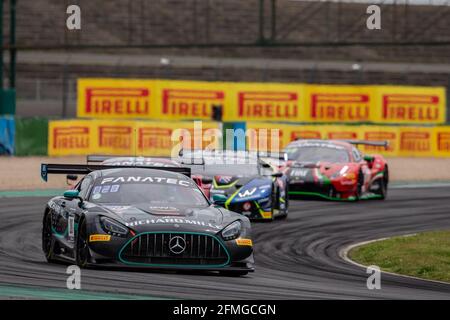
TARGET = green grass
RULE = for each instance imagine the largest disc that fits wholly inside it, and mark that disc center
(425, 255)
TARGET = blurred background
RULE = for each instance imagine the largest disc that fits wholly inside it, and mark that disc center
(278, 45)
(220, 40)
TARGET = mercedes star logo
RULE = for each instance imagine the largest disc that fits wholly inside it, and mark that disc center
(177, 245)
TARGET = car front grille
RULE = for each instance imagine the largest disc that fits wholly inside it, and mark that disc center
(154, 248)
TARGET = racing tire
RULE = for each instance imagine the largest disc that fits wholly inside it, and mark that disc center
(285, 213)
(286, 204)
(82, 253)
(359, 185)
(233, 273)
(48, 242)
(382, 187)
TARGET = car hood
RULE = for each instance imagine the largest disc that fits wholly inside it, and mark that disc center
(143, 217)
(243, 189)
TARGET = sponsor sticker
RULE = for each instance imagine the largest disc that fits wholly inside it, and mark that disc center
(266, 215)
(99, 237)
(244, 242)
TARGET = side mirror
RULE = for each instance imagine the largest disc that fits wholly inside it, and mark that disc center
(219, 199)
(368, 158)
(73, 194)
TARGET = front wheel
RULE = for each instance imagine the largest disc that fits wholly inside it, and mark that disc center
(381, 189)
(48, 243)
(359, 185)
(82, 254)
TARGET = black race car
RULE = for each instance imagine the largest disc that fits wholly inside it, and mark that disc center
(143, 217)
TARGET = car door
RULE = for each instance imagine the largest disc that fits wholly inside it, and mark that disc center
(72, 209)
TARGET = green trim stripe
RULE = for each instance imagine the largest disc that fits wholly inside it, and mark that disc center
(40, 293)
(31, 193)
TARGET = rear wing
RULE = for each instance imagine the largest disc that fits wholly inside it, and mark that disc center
(84, 169)
(374, 143)
(201, 155)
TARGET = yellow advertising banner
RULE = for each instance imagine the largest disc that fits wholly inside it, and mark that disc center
(416, 142)
(391, 134)
(265, 102)
(421, 105)
(442, 141)
(70, 137)
(141, 138)
(274, 102)
(337, 103)
(163, 138)
(148, 138)
(265, 137)
(403, 141)
(116, 98)
(342, 132)
(190, 100)
(114, 137)
(305, 132)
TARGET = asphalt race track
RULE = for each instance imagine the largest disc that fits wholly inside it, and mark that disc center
(296, 258)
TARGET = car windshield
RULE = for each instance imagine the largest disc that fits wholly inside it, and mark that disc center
(154, 194)
(317, 153)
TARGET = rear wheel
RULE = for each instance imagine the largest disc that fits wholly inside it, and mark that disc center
(381, 186)
(359, 185)
(48, 243)
(82, 254)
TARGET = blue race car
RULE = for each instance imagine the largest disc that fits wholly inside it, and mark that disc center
(256, 189)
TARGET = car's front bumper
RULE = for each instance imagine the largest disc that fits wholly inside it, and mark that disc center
(202, 252)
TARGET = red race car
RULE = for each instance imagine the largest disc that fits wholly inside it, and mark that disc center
(335, 170)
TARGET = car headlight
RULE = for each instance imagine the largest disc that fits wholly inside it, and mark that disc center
(112, 227)
(232, 231)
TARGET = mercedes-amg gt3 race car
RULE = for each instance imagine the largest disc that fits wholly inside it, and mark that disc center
(143, 217)
(335, 170)
(255, 188)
